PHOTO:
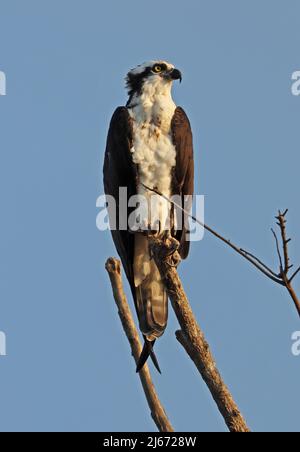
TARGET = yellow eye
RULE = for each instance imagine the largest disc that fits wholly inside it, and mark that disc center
(157, 68)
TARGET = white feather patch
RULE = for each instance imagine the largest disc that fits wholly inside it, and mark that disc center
(154, 152)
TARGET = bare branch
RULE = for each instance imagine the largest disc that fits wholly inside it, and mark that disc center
(294, 275)
(254, 260)
(292, 293)
(284, 269)
(113, 267)
(191, 336)
(285, 241)
(261, 263)
(278, 251)
(281, 279)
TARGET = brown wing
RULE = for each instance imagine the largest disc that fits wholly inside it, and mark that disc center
(119, 171)
(183, 180)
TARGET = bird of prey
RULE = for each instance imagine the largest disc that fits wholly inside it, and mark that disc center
(149, 144)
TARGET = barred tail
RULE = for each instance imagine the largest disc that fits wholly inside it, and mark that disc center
(150, 297)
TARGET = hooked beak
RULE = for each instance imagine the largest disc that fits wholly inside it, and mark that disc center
(174, 74)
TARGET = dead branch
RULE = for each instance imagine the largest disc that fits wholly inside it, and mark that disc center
(113, 267)
(282, 278)
(284, 262)
(191, 336)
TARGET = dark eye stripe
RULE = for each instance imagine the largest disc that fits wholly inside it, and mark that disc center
(162, 67)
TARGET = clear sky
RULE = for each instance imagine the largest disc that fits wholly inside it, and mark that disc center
(68, 365)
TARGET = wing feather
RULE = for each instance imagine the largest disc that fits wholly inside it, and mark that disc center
(183, 180)
(120, 171)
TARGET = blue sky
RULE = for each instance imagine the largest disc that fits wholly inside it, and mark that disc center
(68, 366)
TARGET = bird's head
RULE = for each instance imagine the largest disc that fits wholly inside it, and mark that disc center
(153, 75)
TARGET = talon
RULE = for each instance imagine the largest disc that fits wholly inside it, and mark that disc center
(172, 265)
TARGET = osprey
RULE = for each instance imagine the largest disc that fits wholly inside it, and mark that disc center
(149, 144)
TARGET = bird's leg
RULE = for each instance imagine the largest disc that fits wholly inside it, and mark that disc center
(157, 232)
(172, 254)
(151, 255)
(166, 238)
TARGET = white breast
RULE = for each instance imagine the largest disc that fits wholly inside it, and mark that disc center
(153, 150)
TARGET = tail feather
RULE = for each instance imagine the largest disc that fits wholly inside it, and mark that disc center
(146, 352)
(151, 299)
(154, 360)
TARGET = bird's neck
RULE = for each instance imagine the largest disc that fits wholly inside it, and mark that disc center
(154, 104)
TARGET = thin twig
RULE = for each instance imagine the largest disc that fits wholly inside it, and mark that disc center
(278, 251)
(292, 293)
(282, 278)
(285, 241)
(284, 269)
(113, 267)
(191, 336)
(294, 275)
(254, 260)
(260, 262)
